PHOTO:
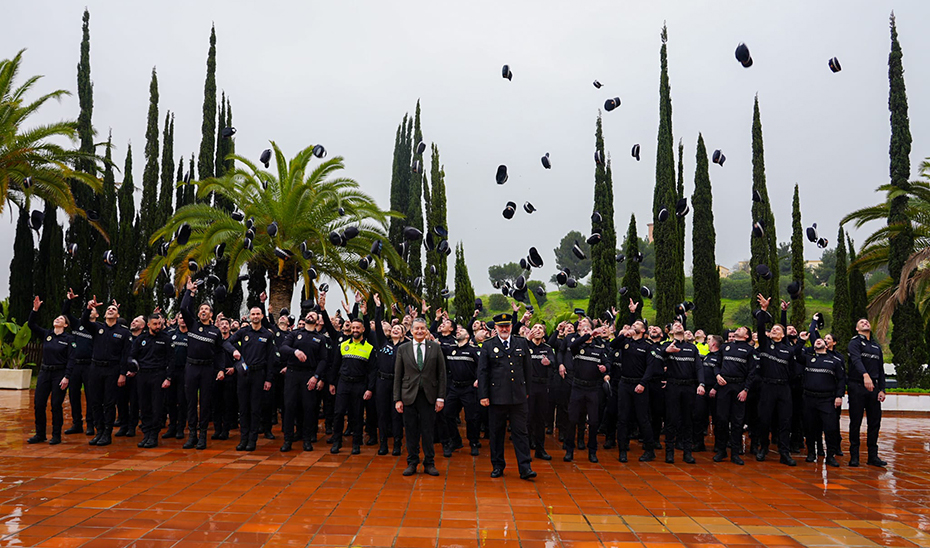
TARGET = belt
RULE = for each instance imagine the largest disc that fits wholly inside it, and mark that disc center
(630, 380)
(45, 367)
(103, 364)
(463, 384)
(815, 394)
(385, 376)
(682, 382)
(347, 378)
(775, 381)
(540, 380)
(735, 380)
(82, 362)
(585, 384)
(192, 361)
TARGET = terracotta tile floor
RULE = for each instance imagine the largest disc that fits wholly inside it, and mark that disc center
(76, 495)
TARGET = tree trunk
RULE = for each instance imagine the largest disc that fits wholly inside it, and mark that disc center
(281, 289)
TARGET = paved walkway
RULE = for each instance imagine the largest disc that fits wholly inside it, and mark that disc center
(76, 495)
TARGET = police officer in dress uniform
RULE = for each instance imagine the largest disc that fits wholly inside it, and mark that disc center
(205, 360)
(736, 372)
(633, 397)
(153, 355)
(57, 367)
(503, 369)
(390, 422)
(127, 395)
(80, 370)
(176, 397)
(543, 361)
(824, 381)
(462, 393)
(255, 353)
(705, 406)
(866, 392)
(111, 350)
(307, 362)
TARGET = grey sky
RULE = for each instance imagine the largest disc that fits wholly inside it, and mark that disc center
(344, 73)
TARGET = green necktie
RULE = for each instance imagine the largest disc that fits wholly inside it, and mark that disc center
(420, 356)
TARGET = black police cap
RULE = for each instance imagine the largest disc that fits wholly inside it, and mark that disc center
(184, 234)
(598, 157)
(743, 56)
(834, 65)
(192, 265)
(229, 131)
(611, 104)
(635, 152)
(758, 230)
(281, 254)
(237, 216)
(762, 270)
(219, 249)
(443, 246)
(756, 196)
(363, 263)
(718, 157)
(351, 232)
(109, 258)
(501, 176)
(311, 273)
(335, 238)
(168, 290)
(265, 158)
(324, 287)
(540, 290)
(545, 161)
(528, 207)
(164, 272)
(594, 238)
(520, 282)
(639, 257)
(72, 250)
(663, 214)
(478, 304)
(596, 218)
(645, 292)
(561, 278)
(376, 248)
(272, 229)
(576, 249)
(822, 243)
(812, 233)
(428, 241)
(421, 147)
(681, 208)
(509, 210)
(818, 319)
(441, 231)
(319, 151)
(92, 215)
(417, 166)
(623, 291)
(412, 234)
(506, 73)
(535, 258)
(597, 84)
(444, 293)
(247, 244)
(571, 283)
(219, 293)
(621, 257)
(35, 219)
(794, 289)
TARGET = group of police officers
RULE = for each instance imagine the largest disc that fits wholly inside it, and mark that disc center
(626, 382)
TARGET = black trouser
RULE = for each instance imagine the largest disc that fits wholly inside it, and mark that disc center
(498, 415)
(679, 406)
(537, 404)
(704, 407)
(419, 421)
(728, 424)
(609, 410)
(226, 403)
(390, 422)
(371, 418)
(78, 378)
(176, 401)
(797, 415)
(251, 391)
(458, 398)
(349, 400)
(775, 398)
(298, 398)
(656, 407)
(631, 403)
(329, 408)
(861, 400)
(752, 413)
(48, 386)
(103, 388)
(559, 393)
(277, 395)
(127, 403)
(820, 414)
(151, 399)
(584, 400)
(199, 379)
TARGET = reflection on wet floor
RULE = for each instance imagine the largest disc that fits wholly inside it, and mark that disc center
(75, 495)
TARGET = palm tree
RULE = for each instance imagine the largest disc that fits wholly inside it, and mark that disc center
(915, 275)
(31, 164)
(307, 207)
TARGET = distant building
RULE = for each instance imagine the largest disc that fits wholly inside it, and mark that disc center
(649, 235)
(811, 265)
(724, 271)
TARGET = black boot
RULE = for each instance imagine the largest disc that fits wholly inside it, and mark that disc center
(131, 432)
(854, 460)
(180, 434)
(592, 456)
(145, 440)
(447, 450)
(648, 456)
(153, 441)
(122, 432)
(623, 457)
(171, 432)
(356, 449)
(875, 461)
(253, 441)
(735, 459)
(76, 428)
(811, 457)
(541, 454)
(202, 441)
(337, 445)
(191, 440)
(569, 455)
(286, 446)
(474, 448)
(96, 438)
(105, 439)
(719, 456)
(831, 461)
(687, 456)
(308, 446)
(269, 435)
(90, 430)
(36, 439)
(396, 451)
(244, 442)
(383, 449)
(670, 453)
(56, 439)
(786, 459)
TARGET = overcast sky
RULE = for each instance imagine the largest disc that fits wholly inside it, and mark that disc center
(344, 73)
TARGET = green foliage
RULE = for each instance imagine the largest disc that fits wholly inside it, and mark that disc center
(704, 273)
(49, 276)
(208, 127)
(401, 178)
(464, 300)
(765, 248)
(631, 276)
(436, 216)
(858, 299)
(565, 258)
(149, 214)
(842, 321)
(737, 285)
(414, 210)
(798, 309)
(497, 302)
(603, 255)
(533, 285)
(13, 340)
(500, 273)
(21, 268)
(581, 291)
(127, 252)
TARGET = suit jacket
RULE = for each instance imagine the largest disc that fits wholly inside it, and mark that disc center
(408, 379)
(502, 374)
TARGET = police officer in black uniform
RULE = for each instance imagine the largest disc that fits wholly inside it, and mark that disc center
(352, 381)
(254, 350)
(307, 358)
(633, 398)
(205, 360)
(503, 369)
(560, 383)
(80, 370)
(735, 374)
(176, 397)
(462, 393)
(390, 422)
(705, 406)
(866, 392)
(56, 368)
(225, 400)
(543, 363)
(824, 381)
(111, 350)
(589, 357)
(153, 355)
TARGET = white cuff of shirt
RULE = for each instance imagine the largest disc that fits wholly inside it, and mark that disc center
(440, 399)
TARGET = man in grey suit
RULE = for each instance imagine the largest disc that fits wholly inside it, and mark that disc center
(419, 383)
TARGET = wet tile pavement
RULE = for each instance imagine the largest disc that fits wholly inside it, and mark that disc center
(75, 495)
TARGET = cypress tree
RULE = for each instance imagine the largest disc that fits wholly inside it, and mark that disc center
(665, 234)
(603, 254)
(400, 198)
(166, 195)
(180, 190)
(149, 213)
(842, 319)
(858, 299)
(764, 249)
(128, 251)
(108, 214)
(257, 284)
(798, 306)
(190, 190)
(414, 204)
(436, 216)
(21, 266)
(464, 300)
(680, 271)
(907, 338)
(49, 273)
(208, 128)
(631, 280)
(220, 165)
(704, 272)
(78, 270)
(235, 295)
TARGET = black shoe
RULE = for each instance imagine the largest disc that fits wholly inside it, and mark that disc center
(569, 455)
(89, 431)
(180, 434)
(811, 457)
(446, 450)
(719, 456)
(786, 459)
(581, 445)
(541, 454)
(36, 439)
(561, 437)
(171, 432)
(623, 457)
(648, 456)
(76, 428)
(831, 461)
(329, 431)
(592, 457)
(335, 448)
(529, 474)
(251, 445)
(497, 472)
(875, 461)
(410, 470)
(104, 439)
(608, 443)
(122, 432)
(356, 449)
(308, 446)
(820, 452)
(191, 441)
(687, 457)
(669, 454)
(838, 453)
(95, 439)
(153, 442)
(396, 451)
(735, 459)
(371, 441)
(55, 440)
(215, 435)
(141, 444)
(760, 456)
(474, 451)
(202, 441)
(700, 448)
(383, 450)
(224, 435)
(243, 443)
(285, 447)
(329, 439)
(854, 461)
(431, 470)
(269, 435)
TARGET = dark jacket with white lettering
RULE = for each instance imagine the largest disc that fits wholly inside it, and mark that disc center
(776, 359)
(111, 343)
(311, 343)
(738, 359)
(83, 340)
(540, 374)
(179, 345)
(587, 356)
(57, 350)
(461, 363)
(256, 348)
(153, 353)
(865, 356)
(634, 357)
(682, 365)
(204, 341)
(824, 373)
